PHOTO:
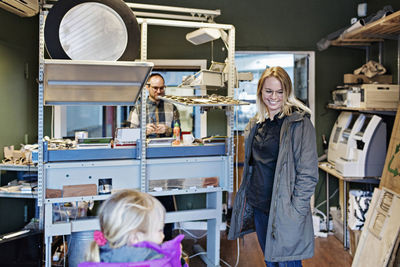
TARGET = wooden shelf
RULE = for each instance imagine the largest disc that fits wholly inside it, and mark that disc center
(384, 28)
(329, 168)
(381, 111)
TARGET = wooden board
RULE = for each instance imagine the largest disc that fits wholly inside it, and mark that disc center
(350, 78)
(380, 231)
(53, 193)
(395, 258)
(79, 190)
(391, 171)
(386, 27)
(239, 148)
(8, 152)
(354, 239)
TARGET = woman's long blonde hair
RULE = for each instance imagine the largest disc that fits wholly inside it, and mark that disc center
(125, 212)
(290, 102)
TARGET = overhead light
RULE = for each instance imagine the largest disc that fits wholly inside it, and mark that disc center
(203, 35)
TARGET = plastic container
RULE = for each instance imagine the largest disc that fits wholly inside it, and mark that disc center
(78, 245)
(177, 131)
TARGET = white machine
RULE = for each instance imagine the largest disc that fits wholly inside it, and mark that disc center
(364, 146)
(346, 140)
(348, 96)
(341, 124)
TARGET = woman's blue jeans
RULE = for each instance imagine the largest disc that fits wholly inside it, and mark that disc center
(261, 223)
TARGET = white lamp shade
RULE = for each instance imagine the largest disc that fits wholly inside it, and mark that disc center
(203, 35)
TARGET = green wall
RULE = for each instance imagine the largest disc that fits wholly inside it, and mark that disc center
(286, 25)
(18, 89)
(18, 103)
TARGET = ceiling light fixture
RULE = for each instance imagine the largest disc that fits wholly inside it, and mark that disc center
(203, 35)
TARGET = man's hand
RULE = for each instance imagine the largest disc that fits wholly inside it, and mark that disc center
(150, 128)
(161, 128)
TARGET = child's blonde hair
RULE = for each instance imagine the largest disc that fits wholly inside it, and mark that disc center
(126, 212)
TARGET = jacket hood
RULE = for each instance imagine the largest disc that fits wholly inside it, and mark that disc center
(295, 116)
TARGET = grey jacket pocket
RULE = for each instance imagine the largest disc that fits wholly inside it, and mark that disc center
(300, 207)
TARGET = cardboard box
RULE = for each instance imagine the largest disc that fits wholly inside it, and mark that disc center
(337, 224)
(359, 79)
(390, 174)
(381, 229)
(379, 96)
(354, 238)
(337, 221)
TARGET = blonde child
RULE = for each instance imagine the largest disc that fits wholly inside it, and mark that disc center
(132, 225)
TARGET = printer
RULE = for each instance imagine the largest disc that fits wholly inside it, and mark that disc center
(347, 96)
(363, 147)
(345, 140)
(342, 123)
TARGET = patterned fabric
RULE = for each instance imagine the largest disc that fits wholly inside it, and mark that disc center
(358, 206)
(161, 112)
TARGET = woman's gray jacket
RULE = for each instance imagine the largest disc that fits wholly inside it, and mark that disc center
(290, 234)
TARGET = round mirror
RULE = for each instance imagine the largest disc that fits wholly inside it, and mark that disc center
(93, 31)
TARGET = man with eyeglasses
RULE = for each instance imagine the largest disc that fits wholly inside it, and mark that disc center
(160, 116)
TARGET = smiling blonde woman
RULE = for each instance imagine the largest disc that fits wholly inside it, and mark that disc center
(279, 175)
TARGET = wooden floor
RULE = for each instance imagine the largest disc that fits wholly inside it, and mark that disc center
(328, 252)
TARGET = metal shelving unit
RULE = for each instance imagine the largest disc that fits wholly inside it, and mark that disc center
(13, 167)
(18, 195)
(330, 171)
(27, 195)
(72, 82)
(387, 27)
(213, 211)
(128, 168)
